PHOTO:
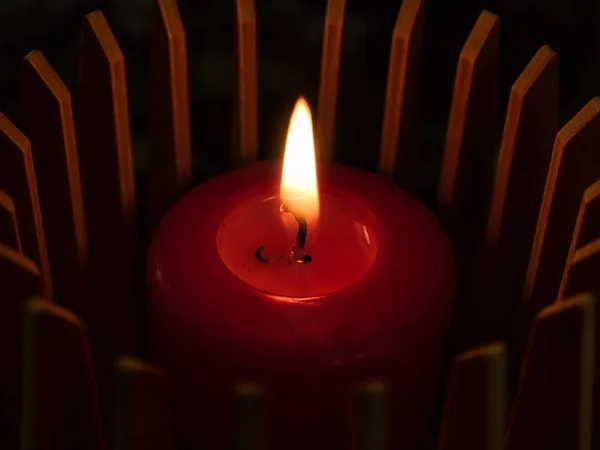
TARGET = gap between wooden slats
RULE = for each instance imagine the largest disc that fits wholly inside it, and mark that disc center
(328, 88)
(475, 408)
(20, 280)
(553, 405)
(246, 103)
(467, 168)
(574, 166)
(401, 131)
(60, 404)
(142, 408)
(529, 131)
(17, 179)
(9, 229)
(169, 156)
(47, 119)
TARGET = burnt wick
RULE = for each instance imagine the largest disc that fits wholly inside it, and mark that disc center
(259, 256)
(298, 249)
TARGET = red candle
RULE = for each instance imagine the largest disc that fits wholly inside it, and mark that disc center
(306, 287)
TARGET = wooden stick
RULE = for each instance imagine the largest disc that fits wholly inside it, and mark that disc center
(247, 101)
(587, 229)
(373, 416)
(575, 165)
(60, 405)
(20, 279)
(46, 118)
(143, 419)
(581, 275)
(9, 229)
(475, 409)
(330, 68)
(467, 167)
(17, 179)
(529, 129)
(169, 141)
(553, 406)
(249, 433)
(400, 134)
(108, 186)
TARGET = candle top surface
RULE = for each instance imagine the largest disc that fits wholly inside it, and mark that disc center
(404, 281)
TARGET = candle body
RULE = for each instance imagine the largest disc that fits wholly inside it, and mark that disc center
(211, 327)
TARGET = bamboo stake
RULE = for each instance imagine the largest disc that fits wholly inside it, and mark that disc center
(328, 88)
(169, 170)
(143, 419)
(400, 135)
(553, 406)
(475, 409)
(47, 119)
(60, 404)
(17, 179)
(247, 101)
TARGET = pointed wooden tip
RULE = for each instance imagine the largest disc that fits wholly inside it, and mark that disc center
(18, 263)
(474, 412)
(36, 66)
(477, 44)
(96, 28)
(544, 60)
(245, 11)
(39, 308)
(171, 19)
(586, 117)
(133, 365)
(9, 228)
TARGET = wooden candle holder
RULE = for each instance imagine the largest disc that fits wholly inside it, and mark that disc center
(525, 231)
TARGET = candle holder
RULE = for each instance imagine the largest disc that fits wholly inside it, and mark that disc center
(522, 343)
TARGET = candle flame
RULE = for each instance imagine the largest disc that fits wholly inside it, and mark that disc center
(299, 179)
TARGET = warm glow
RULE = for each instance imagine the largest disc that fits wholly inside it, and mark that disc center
(299, 180)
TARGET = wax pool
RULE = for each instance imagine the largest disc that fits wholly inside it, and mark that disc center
(226, 305)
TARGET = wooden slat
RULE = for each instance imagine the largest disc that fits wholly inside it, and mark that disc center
(467, 167)
(587, 229)
(474, 413)
(20, 279)
(108, 187)
(17, 179)
(581, 275)
(249, 432)
(143, 419)
(60, 405)
(47, 119)
(529, 130)
(553, 405)
(169, 169)
(328, 88)
(246, 107)
(400, 135)
(373, 417)
(575, 165)
(9, 229)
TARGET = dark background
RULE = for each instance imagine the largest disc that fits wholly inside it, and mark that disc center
(289, 51)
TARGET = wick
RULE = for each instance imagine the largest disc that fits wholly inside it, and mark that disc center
(297, 252)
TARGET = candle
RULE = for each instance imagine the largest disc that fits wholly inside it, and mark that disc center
(306, 279)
